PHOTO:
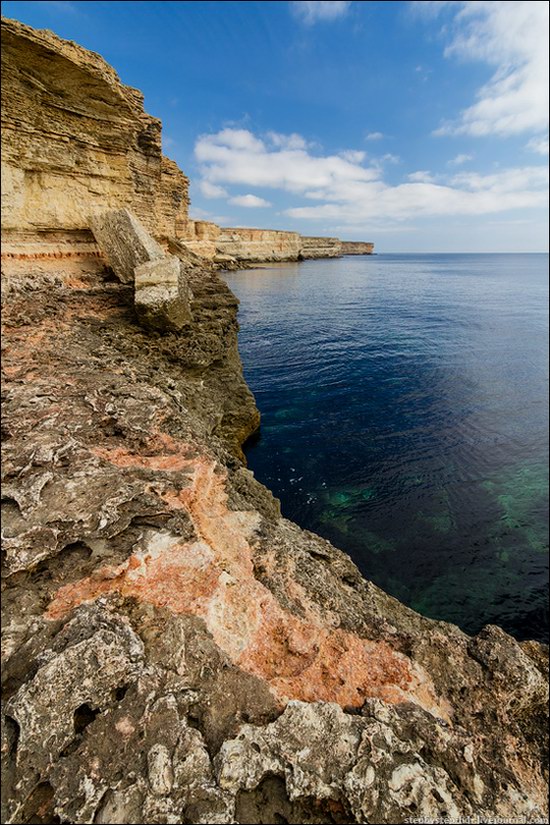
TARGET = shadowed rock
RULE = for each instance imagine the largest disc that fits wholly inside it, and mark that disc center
(162, 295)
(124, 242)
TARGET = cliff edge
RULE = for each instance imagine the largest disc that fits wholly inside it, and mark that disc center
(173, 649)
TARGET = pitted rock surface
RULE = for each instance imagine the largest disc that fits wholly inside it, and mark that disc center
(174, 650)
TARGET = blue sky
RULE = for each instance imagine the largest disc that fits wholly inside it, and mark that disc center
(419, 126)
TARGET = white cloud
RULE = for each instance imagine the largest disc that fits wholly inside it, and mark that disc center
(512, 37)
(250, 201)
(502, 182)
(244, 159)
(538, 145)
(346, 191)
(374, 136)
(196, 214)
(210, 190)
(240, 139)
(459, 159)
(389, 158)
(421, 177)
(311, 12)
(353, 155)
(293, 141)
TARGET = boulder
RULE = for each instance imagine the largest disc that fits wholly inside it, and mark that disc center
(162, 297)
(124, 242)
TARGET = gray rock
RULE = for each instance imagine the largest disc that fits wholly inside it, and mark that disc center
(124, 242)
(162, 295)
(122, 707)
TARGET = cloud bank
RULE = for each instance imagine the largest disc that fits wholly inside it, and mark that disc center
(512, 37)
(343, 189)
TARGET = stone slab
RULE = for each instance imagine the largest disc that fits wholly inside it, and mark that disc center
(162, 298)
(124, 242)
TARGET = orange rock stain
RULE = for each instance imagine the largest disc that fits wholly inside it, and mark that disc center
(301, 657)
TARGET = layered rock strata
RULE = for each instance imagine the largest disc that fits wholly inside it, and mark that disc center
(257, 245)
(176, 651)
(318, 247)
(357, 248)
(75, 140)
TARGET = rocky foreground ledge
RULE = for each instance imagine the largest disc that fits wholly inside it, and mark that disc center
(174, 650)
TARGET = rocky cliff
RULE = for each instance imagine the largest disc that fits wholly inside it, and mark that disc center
(357, 248)
(176, 651)
(202, 238)
(316, 247)
(75, 140)
(258, 245)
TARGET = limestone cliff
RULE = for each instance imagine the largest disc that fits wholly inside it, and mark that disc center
(320, 247)
(258, 245)
(173, 649)
(76, 140)
(357, 248)
(211, 241)
(202, 238)
(241, 244)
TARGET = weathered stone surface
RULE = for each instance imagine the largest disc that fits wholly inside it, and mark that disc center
(315, 247)
(124, 242)
(137, 541)
(357, 248)
(76, 141)
(161, 296)
(385, 765)
(256, 245)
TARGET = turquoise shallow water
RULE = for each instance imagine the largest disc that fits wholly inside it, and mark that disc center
(404, 403)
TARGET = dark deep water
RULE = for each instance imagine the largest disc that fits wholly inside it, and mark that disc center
(404, 417)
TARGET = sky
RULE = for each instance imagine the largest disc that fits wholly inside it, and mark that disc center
(419, 126)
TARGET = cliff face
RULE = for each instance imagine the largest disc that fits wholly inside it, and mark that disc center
(176, 651)
(256, 245)
(75, 140)
(320, 247)
(202, 238)
(259, 244)
(357, 248)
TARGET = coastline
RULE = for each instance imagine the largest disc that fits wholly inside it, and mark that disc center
(173, 647)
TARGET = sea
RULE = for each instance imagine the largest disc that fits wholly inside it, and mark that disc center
(404, 403)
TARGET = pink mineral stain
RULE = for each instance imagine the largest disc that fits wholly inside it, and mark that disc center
(301, 657)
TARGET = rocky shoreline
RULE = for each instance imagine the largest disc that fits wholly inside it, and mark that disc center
(174, 650)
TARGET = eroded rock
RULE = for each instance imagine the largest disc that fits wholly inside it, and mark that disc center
(162, 294)
(152, 643)
(125, 243)
(77, 141)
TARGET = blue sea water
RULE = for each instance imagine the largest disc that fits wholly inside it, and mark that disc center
(404, 403)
